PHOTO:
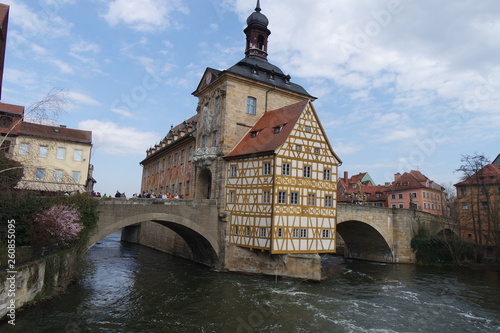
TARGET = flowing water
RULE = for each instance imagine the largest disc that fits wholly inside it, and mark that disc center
(131, 288)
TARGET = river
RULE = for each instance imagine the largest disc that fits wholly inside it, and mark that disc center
(131, 288)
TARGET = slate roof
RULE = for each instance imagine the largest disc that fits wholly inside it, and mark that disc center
(56, 132)
(259, 69)
(266, 140)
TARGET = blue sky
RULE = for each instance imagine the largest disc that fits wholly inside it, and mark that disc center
(401, 84)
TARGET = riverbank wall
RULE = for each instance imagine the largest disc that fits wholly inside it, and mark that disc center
(35, 281)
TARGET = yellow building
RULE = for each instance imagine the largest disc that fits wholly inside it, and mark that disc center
(55, 159)
(281, 184)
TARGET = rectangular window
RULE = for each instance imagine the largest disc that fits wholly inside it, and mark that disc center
(232, 196)
(311, 199)
(215, 139)
(251, 105)
(303, 233)
(266, 197)
(413, 195)
(183, 153)
(393, 205)
(328, 201)
(298, 147)
(267, 168)
(307, 171)
(40, 174)
(42, 151)
(217, 105)
(327, 174)
(175, 159)
(326, 233)
(294, 198)
(393, 196)
(188, 183)
(58, 175)
(316, 150)
(78, 155)
(295, 233)
(280, 232)
(401, 206)
(308, 129)
(75, 176)
(236, 229)
(233, 171)
(282, 197)
(247, 231)
(23, 149)
(203, 141)
(263, 232)
(190, 153)
(61, 153)
(286, 169)
(400, 195)
(180, 188)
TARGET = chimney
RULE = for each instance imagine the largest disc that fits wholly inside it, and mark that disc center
(396, 176)
(346, 176)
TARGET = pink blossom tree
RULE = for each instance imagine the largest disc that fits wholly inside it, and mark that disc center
(58, 225)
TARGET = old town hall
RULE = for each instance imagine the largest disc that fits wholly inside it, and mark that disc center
(257, 146)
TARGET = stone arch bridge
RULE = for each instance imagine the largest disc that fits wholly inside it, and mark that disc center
(369, 233)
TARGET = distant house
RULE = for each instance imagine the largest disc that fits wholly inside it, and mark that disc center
(478, 199)
(55, 158)
(410, 190)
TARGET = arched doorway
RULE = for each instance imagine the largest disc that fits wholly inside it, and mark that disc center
(204, 186)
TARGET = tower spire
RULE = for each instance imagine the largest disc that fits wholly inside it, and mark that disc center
(257, 33)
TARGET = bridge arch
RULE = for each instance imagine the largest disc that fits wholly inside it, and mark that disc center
(203, 246)
(363, 241)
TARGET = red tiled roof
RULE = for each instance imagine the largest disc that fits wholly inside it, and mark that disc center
(54, 132)
(266, 140)
(11, 108)
(489, 174)
(407, 181)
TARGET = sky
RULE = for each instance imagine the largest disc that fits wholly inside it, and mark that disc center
(401, 85)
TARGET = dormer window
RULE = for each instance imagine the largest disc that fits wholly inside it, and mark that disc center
(277, 129)
(253, 134)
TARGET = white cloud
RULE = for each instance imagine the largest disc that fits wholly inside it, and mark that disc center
(84, 46)
(124, 113)
(81, 98)
(424, 52)
(38, 21)
(112, 139)
(144, 15)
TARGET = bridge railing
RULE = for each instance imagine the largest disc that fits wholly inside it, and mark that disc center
(145, 201)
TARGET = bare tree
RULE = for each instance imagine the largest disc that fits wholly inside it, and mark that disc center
(42, 112)
(477, 193)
